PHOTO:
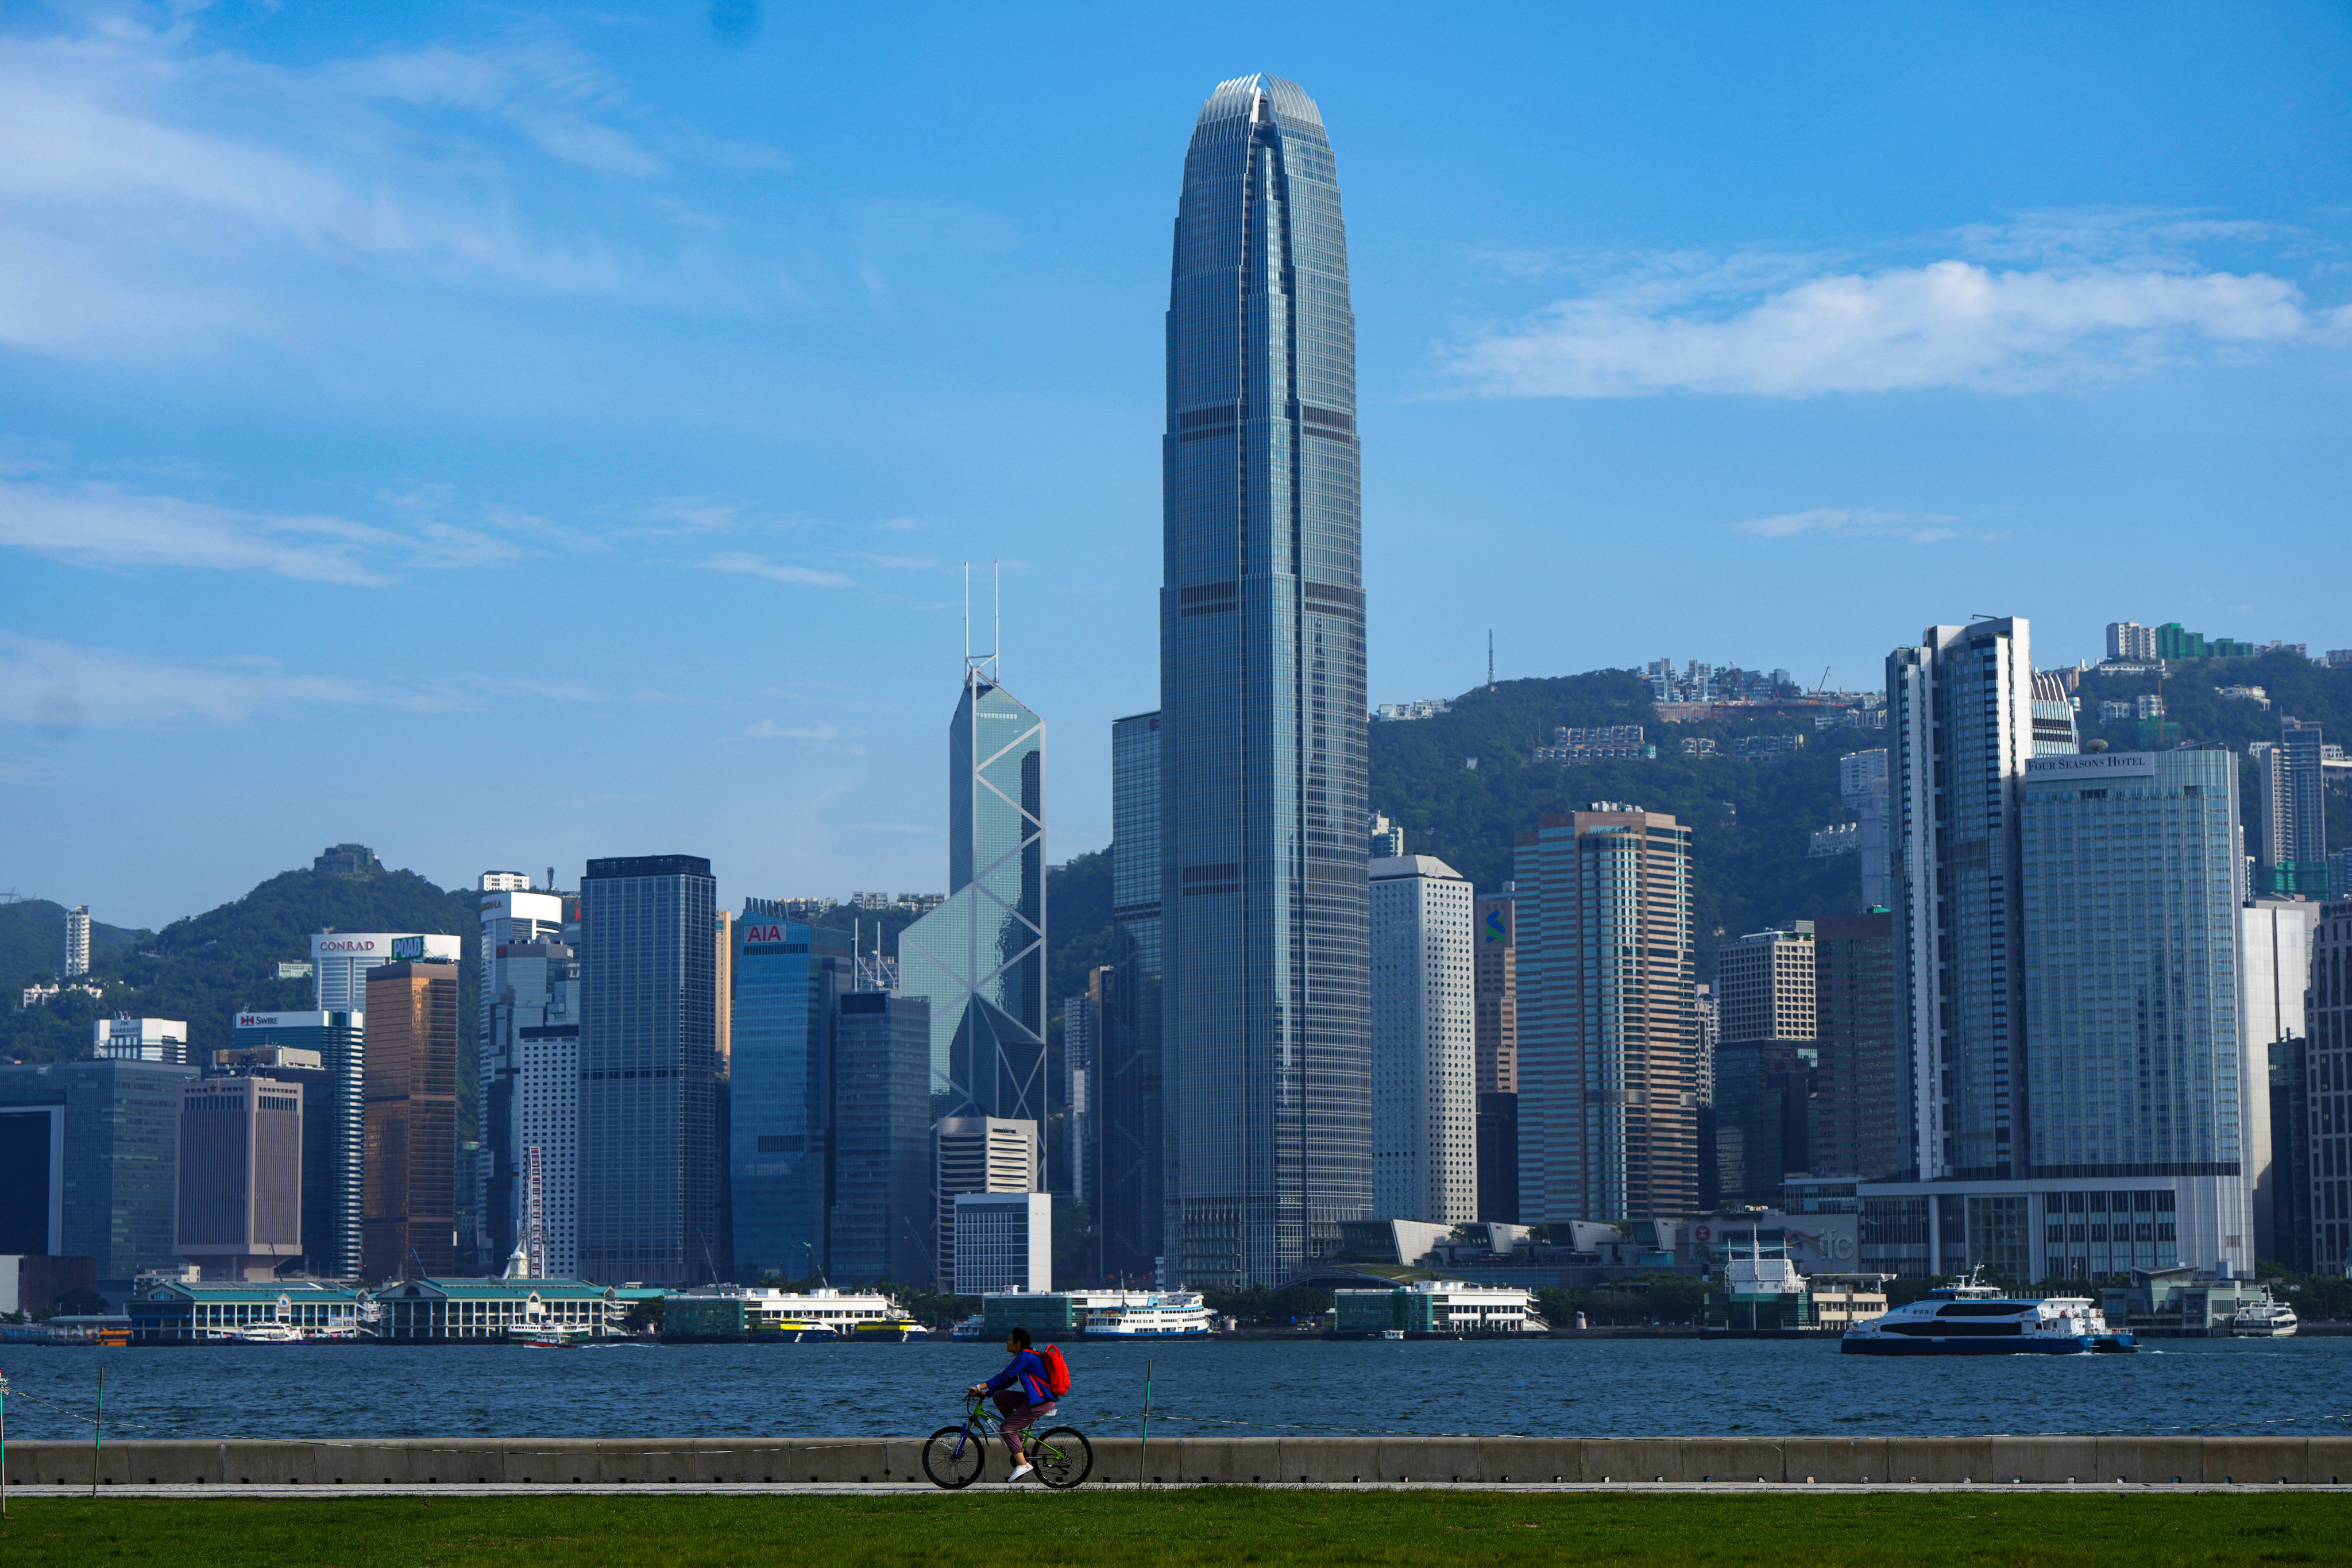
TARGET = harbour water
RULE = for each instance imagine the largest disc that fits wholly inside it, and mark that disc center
(1544, 1387)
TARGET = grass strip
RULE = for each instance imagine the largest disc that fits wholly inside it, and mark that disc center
(1186, 1525)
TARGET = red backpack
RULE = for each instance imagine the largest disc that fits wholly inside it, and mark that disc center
(1057, 1371)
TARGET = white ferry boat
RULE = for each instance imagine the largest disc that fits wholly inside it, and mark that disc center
(969, 1329)
(1160, 1315)
(1969, 1319)
(2268, 1318)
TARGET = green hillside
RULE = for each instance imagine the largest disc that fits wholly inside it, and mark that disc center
(33, 940)
(1750, 822)
(207, 968)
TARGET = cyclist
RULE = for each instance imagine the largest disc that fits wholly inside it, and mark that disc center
(1020, 1394)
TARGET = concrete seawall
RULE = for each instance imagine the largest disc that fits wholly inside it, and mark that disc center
(1329, 1462)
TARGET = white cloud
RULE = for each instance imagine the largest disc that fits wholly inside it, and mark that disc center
(757, 566)
(1770, 326)
(60, 689)
(1840, 522)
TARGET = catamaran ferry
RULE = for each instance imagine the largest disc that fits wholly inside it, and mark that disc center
(1969, 1319)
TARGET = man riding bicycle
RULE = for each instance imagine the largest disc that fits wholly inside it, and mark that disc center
(1022, 1394)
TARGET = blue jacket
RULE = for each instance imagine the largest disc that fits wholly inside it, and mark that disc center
(1029, 1371)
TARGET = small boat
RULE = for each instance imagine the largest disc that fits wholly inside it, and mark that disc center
(1967, 1318)
(896, 1330)
(1392, 1334)
(2267, 1318)
(972, 1327)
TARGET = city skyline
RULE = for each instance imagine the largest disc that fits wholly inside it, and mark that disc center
(711, 345)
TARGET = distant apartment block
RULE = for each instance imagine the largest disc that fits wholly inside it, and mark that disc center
(1428, 708)
(2128, 640)
(1764, 748)
(1596, 745)
(77, 941)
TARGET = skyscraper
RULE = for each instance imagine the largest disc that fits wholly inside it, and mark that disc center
(780, 1116)
(408, 1217)
(2273, 973)
(1264, 1033)
(529, 980)
(77, 941)
(334, 1121)
(1764, 1062)
(979, 958)
(239, 1211)
(1495, 1018)
(340, 961)
(2328, 1067)
(1424, 1049)
(2294, 812)
(882, 1220)
(1608, 1028)
(649, 1155)
(1858, 1095)
(1082, 1042)
(89, 1160)
(1130, 1212)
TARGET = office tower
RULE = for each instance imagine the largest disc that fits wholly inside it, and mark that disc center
(1004, 1241)
(530, 1071)
(77, 941)
(979, 957)
(2283, 1206)
(1082, 1044)
(1862, 787)
(779, 1115)
(649, 1158)
(1764, 1062)
(882, 1223)
(2294, 812)
(2327, 1078)
(977, 1154)
(126, 1038)
(2273, 972)
(1857, 1081)
(1130, 1214)
(334, 1115)
(2130, 641)
(2132, 997)
(1961, 729)
(1607, 1027)
(239, 1213)
(340, 962)
(1264, 1033)
(1495, 1023)
(547, 1100)
(2339, 874)
(1424, 1043)
(723, 989)
(88, 1162)
(408, 1223)
(1495, 979)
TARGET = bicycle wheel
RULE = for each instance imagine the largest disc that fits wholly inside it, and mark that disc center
(1063, 1458)
(953, 1457)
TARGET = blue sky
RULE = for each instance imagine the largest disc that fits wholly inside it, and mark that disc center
(506, 438)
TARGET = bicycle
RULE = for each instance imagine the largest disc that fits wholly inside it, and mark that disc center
(953, 1457)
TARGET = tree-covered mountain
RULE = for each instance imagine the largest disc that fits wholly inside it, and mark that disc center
(33, 940)
(207, 968)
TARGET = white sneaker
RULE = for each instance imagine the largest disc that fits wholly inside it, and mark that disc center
(1018, 1471)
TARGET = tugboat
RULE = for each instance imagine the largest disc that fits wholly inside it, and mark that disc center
(2268, 1318)
(1968, 1318)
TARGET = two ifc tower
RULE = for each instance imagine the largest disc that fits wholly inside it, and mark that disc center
(1234, 1124)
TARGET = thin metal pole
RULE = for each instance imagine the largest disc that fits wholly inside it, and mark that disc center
(98, 1433)
(1143, 1455)
(4, 1444)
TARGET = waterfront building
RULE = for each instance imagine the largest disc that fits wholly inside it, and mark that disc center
(327, 1054)
(128, 1039)
(1082, 1043)
(649, 1157)
(788, 978)
(1424, 1048)
(409, 1187)
(2327, 1066)
(1004, 1241)
(88, 1162)
(1764, 1062)
(1129, 1211)
(1433, 1308)
(340, 962)
(443, 1310)
(188, 1312)
(529, 982)
(239, 1203)
(979, 957)
(77, 941)
(1607, 1029)
(1858, 1076)
(1265, 1032)
(2294, 812)
(977, 1154)
(882, 1221)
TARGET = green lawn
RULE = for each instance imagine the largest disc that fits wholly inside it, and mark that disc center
(1471, 1530)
